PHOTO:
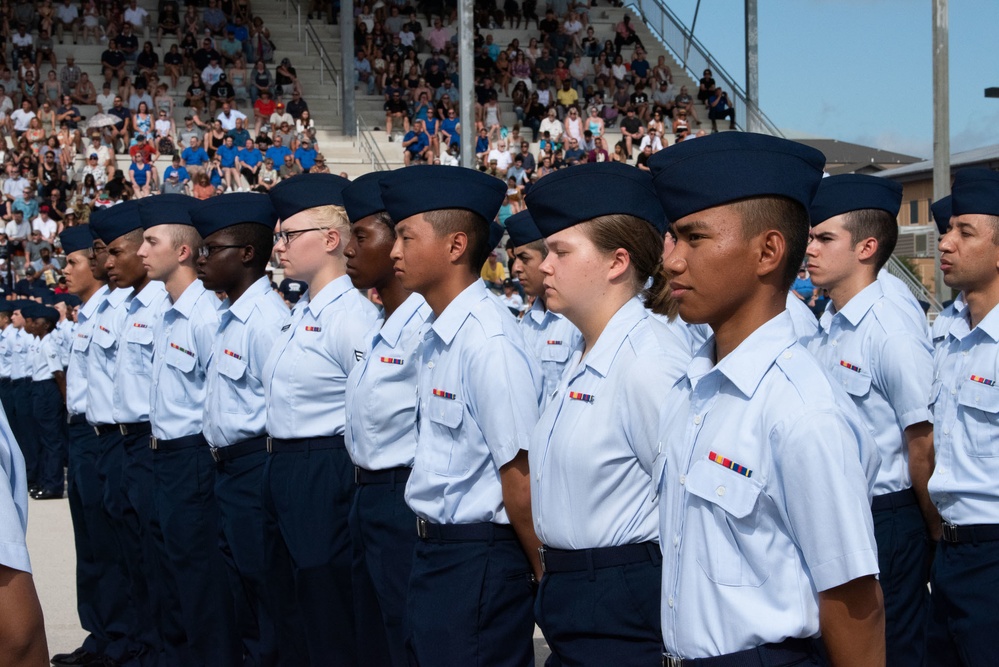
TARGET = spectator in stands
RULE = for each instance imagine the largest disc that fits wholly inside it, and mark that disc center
(268, 175)
(279, 117)
(574, 154)
(249, 161)
(289, 168)
(128, 42)
(94, 169)
(194, 157)
(260, 81)
(285, 79)
(305, 155)
(69, 76)
(147, 63)
(363, 73)
(278, 151)
(212, 72)
(197, 93)
(143, 147)
(624, 34)
(287, 135)
(396, 108)
(45, 225)
(228, 116)
(222, 93)
(173, 63)
(803, 287)
(416, 145)
(178, 170)
(706, 87)
(202, 58)
(105, 155)
(639, 101)
(68, 16)
(193, 127)
(214, 18)
(296, 105)
(227, 154)
(113, 62)
(599, 153)
(263, 108)
(652, 139)
(686, 102)
(230, 47)
(168, 23)
(23, 44)
(719, 108)
(305, 128)
(21, 118)
(439, 37)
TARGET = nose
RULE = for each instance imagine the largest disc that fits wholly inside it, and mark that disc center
(674, 262)
(396, 254)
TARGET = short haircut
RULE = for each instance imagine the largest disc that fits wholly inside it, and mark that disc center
(258, 236)
(877, 224)
(472, 225)
(786, 216)
(185, 235)
(538, 245)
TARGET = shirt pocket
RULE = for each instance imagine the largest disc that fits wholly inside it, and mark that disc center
(140, 350)
(728, 550)
(856, 384)
(981, 417)
(180, 360)
(446, 453)
(81, 342)
(104, 338)
(234, 386)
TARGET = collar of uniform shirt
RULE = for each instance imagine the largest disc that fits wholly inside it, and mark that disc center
(446, 326)
(747, 364)
(601, 355)
(88, 309)
(327, 295)
(989, 325)
(245, 303)
(862, 302)
(185, 304)
(118, 296)
(152, 291)
(396, 324)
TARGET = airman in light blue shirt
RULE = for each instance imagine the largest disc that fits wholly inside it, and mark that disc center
(134, 367)
(76, 372)
(109, 320)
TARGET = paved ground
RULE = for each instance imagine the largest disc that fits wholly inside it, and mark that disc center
(53, 559)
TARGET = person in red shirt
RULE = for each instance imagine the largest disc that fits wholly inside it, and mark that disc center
(262, 110)
(142, 146)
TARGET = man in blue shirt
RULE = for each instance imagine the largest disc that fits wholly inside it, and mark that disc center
(249, 159)
(227, 153)
(470, 597)
(183, 177)
(194, 157)
(416, 144)
(305, 155)
(278, 150)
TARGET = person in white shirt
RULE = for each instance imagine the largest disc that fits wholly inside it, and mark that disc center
(105, 100)
(652, 139)
(502, 156)
(14, 187)
(511, 299)
(17, 232)
(69, 16)
(552, 125)
(228, 117)
(136, 15)
(46, 225)
(210, 75)
(280, 116)
(22, 117)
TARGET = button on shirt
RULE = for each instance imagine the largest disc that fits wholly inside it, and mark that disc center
(876, 353)
(593, 451)
(965, 400)
(183, 345)
(13, 502)
(102, 356)
(306, 372)
(471, 421)
(381, 390)
(763, 497)
(76, 371)
(134, 367)
(248, 329)
(46, 357)
(551, 338)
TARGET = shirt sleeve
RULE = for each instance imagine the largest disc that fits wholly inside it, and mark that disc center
(905, 372)
(13, 502)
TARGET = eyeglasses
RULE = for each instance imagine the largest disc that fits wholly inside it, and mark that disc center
(288, 237)
(206, 251)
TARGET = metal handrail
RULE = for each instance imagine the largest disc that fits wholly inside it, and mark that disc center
(366, 143)
(694, 57)
(325, 62)
(298, 13)
(896, 268)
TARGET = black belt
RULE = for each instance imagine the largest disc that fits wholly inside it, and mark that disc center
(893, 501)
(20, 381)
(242, 448)
(5, 381)
(175, 444)
(981, 532)
(104, 429)
(786, 652)
(76, 419)
(581, 560)
(135, 428)
(464, 532)
(287, 445)
(388, 476)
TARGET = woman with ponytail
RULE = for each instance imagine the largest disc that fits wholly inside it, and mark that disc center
(593, 451)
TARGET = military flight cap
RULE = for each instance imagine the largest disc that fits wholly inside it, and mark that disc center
(116, 221)
(37, 310)
(363, 197)
(522, 229)
(76, 238)
(854, 192)
(942, 213)
(975, 191)
(166, 209)
(217, 213)
(413, 190)
(305, 191)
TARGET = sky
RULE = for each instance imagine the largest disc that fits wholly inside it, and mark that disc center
(861, 70)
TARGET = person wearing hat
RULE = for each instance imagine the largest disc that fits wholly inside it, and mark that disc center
(198, 603)
(870, 346)
(964, 578)
(549, 335)
(305, 155)
(309, 477)
(381, 442)
(941, 210)
(593, 452)
(127, 460)
(237, 240)
(764, 469)
(48, 399)
(470, 592)
(25, 428)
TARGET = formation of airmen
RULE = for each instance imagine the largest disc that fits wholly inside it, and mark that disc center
(667, 461)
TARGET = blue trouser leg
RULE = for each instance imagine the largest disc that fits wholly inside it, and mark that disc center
(50, 417)
(24, 430)
(383, 537)
(309, 496)
(7, 400)
(203, 606)
(964, 581)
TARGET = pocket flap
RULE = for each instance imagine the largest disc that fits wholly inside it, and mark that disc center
(445, 411)
(732, 491)
(979, 396)
(180, 359)
(231, 367)
(855, 384)
(104, 338)
(81, 342)
(557, 353)
(140, 335)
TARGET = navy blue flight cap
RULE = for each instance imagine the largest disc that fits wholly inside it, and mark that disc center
(70, 300)
(33, 310)
(18, 304)
(586, 191)
(413, 190)
(495, 234)
(726, 167)
(76, 238)
(363, 197)
(7, 306)
(306, 191)
(942, 213)
(975, 191)
(166, 209)
(217, 213)
(854, 192)
(44, 293)
(522, 229)
(116, 221)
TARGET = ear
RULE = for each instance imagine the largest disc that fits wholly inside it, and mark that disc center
(867, 249)
(771, 247)
(458, 247)
(620, 260)
(332, 239)
(184, 253)
(247, 254)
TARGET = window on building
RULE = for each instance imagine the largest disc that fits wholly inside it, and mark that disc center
(914, 212)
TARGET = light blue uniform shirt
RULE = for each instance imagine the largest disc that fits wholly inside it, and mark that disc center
(183, 346)
(47, 358)
(13, 502)
(806, 325)
(943, 322)
(20, 363)
(134, 370)
(64, 337)
(306, 371)
(902, 296)
(593, 451)
(102, 356)
(76, 371)
(381, 390)
(965, 400)
(551, 338)
(764, 501)
(470, 421)
(248, 329)
(6, 351)
(881, 358)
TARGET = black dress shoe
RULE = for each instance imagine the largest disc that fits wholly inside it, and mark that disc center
(48, 495)
(80, 656)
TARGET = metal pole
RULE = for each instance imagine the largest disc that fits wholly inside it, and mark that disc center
(941, 125)
(466, 81)
(693, 24)
(348, 108)
(299, 8)
(752, 69)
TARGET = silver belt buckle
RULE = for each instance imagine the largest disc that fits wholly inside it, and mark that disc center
(542, 550)
(153, 442)
(949, 532)
(421, 528)
(215, 453)
(672, 661)
(357, 479)
(123, 429)
(270, 445)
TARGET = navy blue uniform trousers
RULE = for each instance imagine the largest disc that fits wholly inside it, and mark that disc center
(904, 562)
(7, 400)
(470, 603)
(965, 624)
(49, 413)
(101, 584)
(383, 538)
(308, 494)
(24, 429)
(198, 610)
